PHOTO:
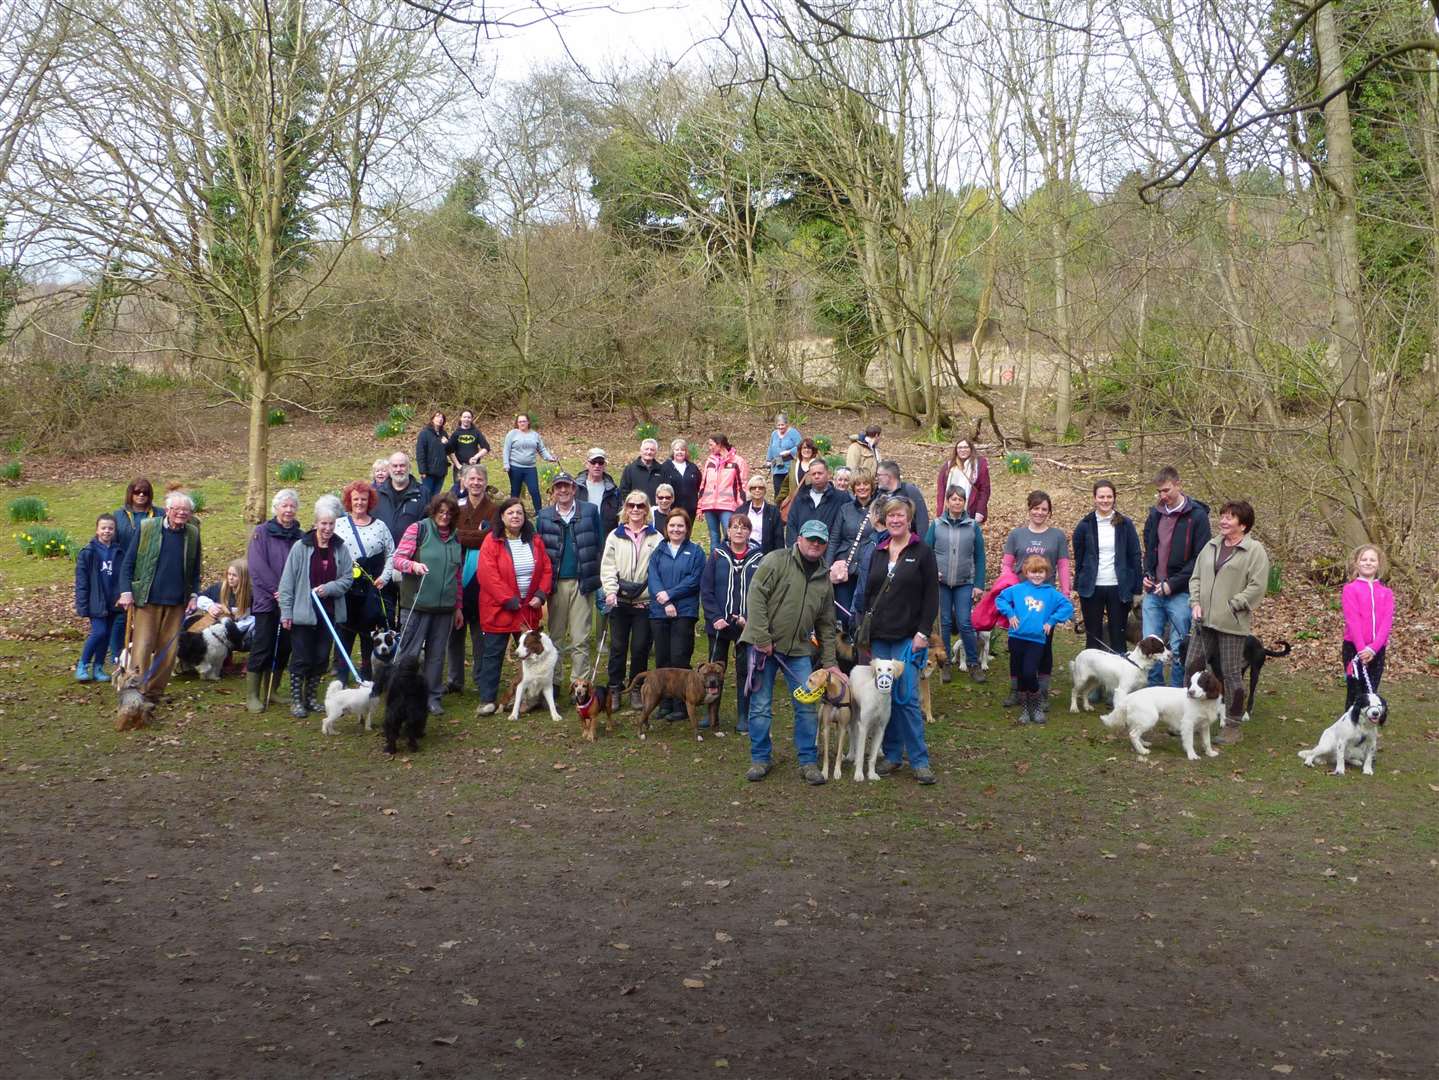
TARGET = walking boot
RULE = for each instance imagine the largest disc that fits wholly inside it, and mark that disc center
(977, 675)
(297, 698)
(946, 672)
(82, 671)
(1014, 698)
(614, 694)
(312, 687)
(1228, 734)
(254, 700)
(636, 701)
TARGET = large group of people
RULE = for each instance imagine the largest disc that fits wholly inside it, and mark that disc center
(798, 553)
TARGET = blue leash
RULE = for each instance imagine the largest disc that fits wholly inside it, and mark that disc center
(344, 652)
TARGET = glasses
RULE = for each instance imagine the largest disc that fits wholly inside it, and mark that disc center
(635, 506)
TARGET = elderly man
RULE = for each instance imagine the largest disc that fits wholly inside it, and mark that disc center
(159, 583)
(1175, 532)
(270, 544)
(402, 497)
(888, 482)
(789, 599)
(573, 540)
(643, 473)
(598, 488)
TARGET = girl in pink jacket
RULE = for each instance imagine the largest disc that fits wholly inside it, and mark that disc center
(1368, 606)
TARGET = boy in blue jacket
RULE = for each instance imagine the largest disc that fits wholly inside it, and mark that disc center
(1033, 609)
(96, 574)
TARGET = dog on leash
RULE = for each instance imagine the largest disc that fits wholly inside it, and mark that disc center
(361, 701)
(935, 658)
(1187, 710)
(205, 651)
(538, 658)
(702, 687)
(407, 701)
(133, 710)
(836, 716)
(1114, 674)
(871, 688)
(590, 701)
(1254, 656)
(1352, 739)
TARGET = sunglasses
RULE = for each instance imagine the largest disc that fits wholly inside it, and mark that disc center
(635, 506)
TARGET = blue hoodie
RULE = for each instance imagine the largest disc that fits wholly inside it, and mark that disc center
(97, 577)
(1034, 605)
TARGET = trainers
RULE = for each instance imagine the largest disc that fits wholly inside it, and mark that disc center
(885, 766)
(924, 774)
(486, 708)
(758, 771)
(811, 774)
(976, 674)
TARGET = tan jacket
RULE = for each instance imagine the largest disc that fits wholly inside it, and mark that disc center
(860, 455)
(621, 560)
(1227, 597)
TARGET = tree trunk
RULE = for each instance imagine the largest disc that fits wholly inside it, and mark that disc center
(1064, 382)
(257, 502)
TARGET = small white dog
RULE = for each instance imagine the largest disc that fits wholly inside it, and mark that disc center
(870, 686)
(358, 701)
(537, 656)
(1113, 673)
(1186, 710)
(1353, 738)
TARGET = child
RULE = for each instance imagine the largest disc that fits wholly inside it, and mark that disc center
(96, 574)
(1368, 608)
(1033, 609)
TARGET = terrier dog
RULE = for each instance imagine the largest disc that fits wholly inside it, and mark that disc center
(133, 709)
(359, 701)
(1353, 738)
(407, 701)
(589, 703)
(936, 658)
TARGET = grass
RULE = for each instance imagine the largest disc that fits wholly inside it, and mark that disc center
(29, 508)
(12, 470)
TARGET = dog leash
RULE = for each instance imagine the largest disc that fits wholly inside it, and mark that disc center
(599, 648)
(1361, 671)
(409, 617)
(1113, 652)
(274, 658)
(329, 625)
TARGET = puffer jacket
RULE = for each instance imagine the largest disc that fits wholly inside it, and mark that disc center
(788, 602)
(945, 537)
(1227, 595)
(722, 481)
(677, 574)
(623, 560)
(588, 541)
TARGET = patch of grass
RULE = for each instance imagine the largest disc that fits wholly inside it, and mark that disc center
(45, 542)
(291, 472)
(1276, 580)
(198, 498)
(834, 461)
(29, 508)
(276, 417)
(646, 430)
(402, 413)
(388, 429)
(12, 470)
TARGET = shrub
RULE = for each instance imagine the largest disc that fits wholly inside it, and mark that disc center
(388, 429)
(46, 543)
(647, 430)
(823, 444)
(1019, 463)
(291, 472)
(11, 470)
(798, 419)
(547, 476)
(1122, 446)
(834, 461)
(402, 413)
(275, 417)
(198, 498)
(1276, 580)
(28, 508)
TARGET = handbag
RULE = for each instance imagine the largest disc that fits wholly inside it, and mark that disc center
(862, 635)
(629, 592)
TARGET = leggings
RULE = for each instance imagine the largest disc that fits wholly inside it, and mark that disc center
(1025, 659)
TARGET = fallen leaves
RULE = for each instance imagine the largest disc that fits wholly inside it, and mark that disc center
(693, 984)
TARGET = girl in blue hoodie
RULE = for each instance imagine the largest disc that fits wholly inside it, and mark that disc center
(1033, 609)
(96, 574)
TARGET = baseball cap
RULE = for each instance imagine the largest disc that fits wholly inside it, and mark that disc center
(596, 454)
(814, 529)
(561, 477)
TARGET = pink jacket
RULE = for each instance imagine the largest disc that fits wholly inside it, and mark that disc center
(1368, 613)
(985, 615)
(722, 481)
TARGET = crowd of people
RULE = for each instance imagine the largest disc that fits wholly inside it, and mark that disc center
(799, 557)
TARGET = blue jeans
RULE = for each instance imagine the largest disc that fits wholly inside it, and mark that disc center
(718, 522)
(117, 636)
(526, 476)
(98, 642)
(955, 602)
(492, 659)
(431, 486)
(761, 710)
(905, 732)
(1174, 610)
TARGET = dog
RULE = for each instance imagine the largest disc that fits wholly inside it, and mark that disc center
(383, 641)
(205, 651)
(836, 715)
(407, 701)
(1117, 675)
(361, 701)
(704, 686)
(133, 709)
(1353, 738)
(982, 640)
(935, 658)
(844, 651)
(1254, 656)
(871, 687)
(538, 658)
(590, 701)
(1186, 710)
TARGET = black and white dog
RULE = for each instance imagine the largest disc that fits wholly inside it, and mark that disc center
(407, 701)
(1353, 738)
(1254, 656)
(205, 651)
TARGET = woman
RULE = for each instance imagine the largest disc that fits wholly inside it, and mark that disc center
(842, 478)
(139, 505)
(664, 503)
(858, 524)
(477, 517)
(1038, 537)
(783, 442)
(958, 546)
(1107, 570)
(515, 578)
(519, 455)
(1232, 576)
(898, 606)
(674, 581)
(966, 469)
(724, 589)
(624, 581)
(372, 546)
(722, 485)
(766, 530)
(803, 459)
(430, 460)
(319, 571)
(228, 598)
(428, 560)
(266, 556)
(681, 474)
(379, 471)
(467, 444)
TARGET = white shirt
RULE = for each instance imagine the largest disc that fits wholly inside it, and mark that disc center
(595, 491)
(1105, 529)
(756, 521)
(524, 559)
(816, 496)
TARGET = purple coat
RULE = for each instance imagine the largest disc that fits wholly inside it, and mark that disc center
(270, 545)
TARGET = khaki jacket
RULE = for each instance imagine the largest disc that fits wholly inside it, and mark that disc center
(622, 561)
(1229, 596)
(786, 604)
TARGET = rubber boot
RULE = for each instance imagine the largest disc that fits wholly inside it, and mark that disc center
(1044, 691)
(1039, 710)
(312, 687)
(1026, 705)
(1014, 697)
(297, 698)
(254, 699)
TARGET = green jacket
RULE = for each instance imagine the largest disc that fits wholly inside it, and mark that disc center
(147, 557)
(1228, 596)
(787, 604)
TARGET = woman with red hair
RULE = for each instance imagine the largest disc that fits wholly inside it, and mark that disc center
(373, 549)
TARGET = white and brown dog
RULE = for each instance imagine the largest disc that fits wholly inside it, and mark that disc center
(1188, 710)
(1114, 673)
(871, 687)
(836, 716)
(1353, 738)
(538, 658)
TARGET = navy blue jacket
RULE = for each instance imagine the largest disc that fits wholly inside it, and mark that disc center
(589, 542)
(679, 575)
(832, 510)
(724, 587)
(1126, 556)
(687, 488)
(400, 509)
(1191, 533)
(430, 459)
(97, 579)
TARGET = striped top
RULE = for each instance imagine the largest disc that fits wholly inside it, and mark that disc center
(523, 557)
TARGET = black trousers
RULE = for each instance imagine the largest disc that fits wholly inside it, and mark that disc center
(309, 651)
(629, 634)
(674, 641)
(268, 649)
(1354, 687)
(1105, 603)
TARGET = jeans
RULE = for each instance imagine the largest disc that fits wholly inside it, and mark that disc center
(955, 603)
(761, 709)
(99, 640)
(431, 486)
(1156, 611)
(718, 522)
(528, 477)
(1105, 603)
(492, 659)
(117, 636)
(905, 731)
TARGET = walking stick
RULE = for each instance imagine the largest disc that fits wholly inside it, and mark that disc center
(274, 660)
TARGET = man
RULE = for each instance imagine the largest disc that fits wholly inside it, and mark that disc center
(643, 473)
(402, 497)
(783, 445)
(887, 481)
(160, 580)
(467, 444)
(598, 488)
(574, 541)
(1174, 534)
(863, 451)
(819, 500)
(789, 599)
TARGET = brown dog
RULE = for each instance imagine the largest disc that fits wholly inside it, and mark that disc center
(935, 660)
(835, 713)
(702, 686)
(133, 709)
(589, 703)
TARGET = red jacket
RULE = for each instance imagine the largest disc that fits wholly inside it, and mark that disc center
(985, 615)
(496, 574)
(978, 502)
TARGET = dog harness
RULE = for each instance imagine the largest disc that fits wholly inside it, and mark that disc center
(589, 707)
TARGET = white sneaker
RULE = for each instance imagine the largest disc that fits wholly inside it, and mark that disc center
(486, 709)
